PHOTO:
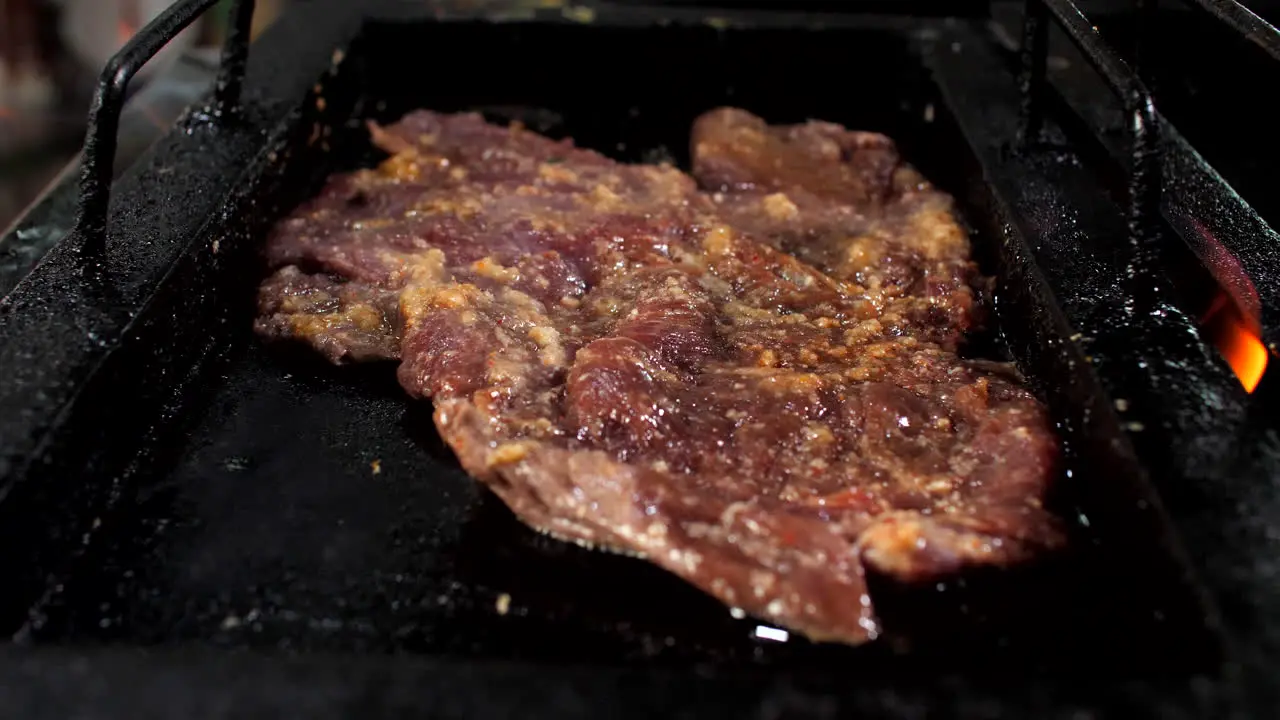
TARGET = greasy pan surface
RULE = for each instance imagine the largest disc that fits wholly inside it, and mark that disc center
(315, 508)
(292, 506)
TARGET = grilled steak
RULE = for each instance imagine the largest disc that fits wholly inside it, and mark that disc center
(753, 387)
(845, 203)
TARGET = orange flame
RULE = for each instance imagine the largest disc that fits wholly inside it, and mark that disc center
(1233, 320)
(1236, 339)
(124, 31)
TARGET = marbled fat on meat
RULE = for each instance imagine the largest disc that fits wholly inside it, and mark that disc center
(751, 383)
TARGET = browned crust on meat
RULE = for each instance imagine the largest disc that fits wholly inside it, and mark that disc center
(844, 202)
(635, 364)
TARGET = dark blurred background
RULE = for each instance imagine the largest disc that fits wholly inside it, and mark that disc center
(51, 51)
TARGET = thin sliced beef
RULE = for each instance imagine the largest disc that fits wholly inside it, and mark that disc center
(765, 404)
(844, 202)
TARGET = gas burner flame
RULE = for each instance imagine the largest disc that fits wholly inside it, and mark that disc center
(1233, 320)
(1236, 338)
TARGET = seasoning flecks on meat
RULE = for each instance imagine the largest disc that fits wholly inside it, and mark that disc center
(751, 384)
(844, 202)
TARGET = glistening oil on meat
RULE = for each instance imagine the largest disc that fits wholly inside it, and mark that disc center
(747, 376)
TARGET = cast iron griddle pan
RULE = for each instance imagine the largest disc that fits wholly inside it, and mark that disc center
(250, 497)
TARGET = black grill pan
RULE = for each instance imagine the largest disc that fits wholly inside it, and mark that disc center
(191, 520)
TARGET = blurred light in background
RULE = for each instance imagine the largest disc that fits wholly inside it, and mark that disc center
(41, 41)
(51, 53)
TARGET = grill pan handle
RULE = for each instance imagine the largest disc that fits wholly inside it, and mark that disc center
(109, 96)
(1145, 182)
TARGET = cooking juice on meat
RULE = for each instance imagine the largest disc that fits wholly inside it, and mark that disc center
(746, 376)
